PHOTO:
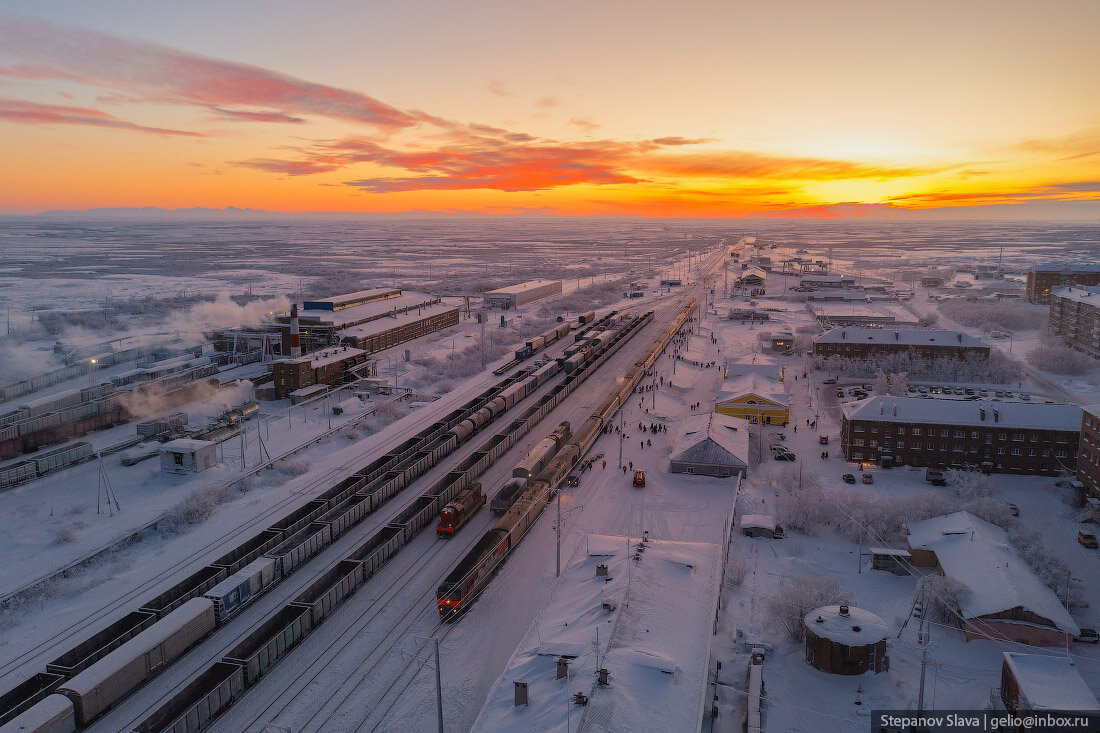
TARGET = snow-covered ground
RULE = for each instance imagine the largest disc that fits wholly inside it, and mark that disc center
(397, 691)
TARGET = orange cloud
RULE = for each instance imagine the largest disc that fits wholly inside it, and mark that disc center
(33, 113)
(47, 51)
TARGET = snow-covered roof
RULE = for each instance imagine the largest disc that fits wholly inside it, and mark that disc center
(184, 445)
(712, 439)
(978, 554)
(905, 336)
(1034, 415)
(828, 278)
(1078, 295)
(1050, 682)
(1053, 267)
(857, 628)
(359, 313)
(522, 287)
(655, 647)
(385, 324)
(324, 357)
(861, 310)
(758, 521)
(888, 551)
(765, 365)
(752, 385)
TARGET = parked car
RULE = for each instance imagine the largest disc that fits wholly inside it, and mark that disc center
(840, 392)
(968, 390)
(829, 381)
(1087, 539)
(1014, 510)
(935, 476)
(639, 478)
(868, 478)
(849, 478)
(823, 440)
(1088, 636)
(784, 455)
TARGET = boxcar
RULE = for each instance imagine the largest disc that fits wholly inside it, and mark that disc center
(27, 694)
(238, 590)
(100, 644)
(127, 668)
(54, 714)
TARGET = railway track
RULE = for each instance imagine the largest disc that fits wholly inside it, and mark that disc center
(286, 688)
(193, 560)
(291, 588)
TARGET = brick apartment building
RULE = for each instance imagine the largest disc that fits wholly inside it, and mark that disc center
(1043, 280)
(1075, 316)
(1088, 459)
(860, 343)
(1003, 437)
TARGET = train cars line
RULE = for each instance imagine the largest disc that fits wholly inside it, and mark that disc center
(461, 588)
(215, 595)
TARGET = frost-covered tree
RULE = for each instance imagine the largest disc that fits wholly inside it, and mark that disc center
(1060, 359)
(942, 597)
(789, 605)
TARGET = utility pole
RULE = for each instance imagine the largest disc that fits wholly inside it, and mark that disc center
(438, 685)
(558, 571)
(621, 464)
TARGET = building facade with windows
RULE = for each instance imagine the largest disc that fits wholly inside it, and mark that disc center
(1043, 280)
(1002, 437)
(860, 343)
(1075, 316)
(1088, 456)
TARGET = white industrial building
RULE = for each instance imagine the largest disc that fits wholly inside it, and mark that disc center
(515, 296)
(187, 455)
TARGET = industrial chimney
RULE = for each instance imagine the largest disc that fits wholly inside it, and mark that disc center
(295, 334)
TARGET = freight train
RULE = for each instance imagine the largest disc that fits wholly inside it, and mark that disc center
(461, 588)
(85, 682)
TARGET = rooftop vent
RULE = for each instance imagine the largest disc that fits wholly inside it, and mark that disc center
(820, 620)
(844, 611)
(897, 336)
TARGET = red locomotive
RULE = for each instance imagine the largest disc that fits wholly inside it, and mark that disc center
(455, 514)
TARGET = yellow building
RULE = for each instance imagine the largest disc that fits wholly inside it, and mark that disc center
(753, 398)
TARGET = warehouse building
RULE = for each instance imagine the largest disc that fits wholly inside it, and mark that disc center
(1075, 316)
(1043, 280)
(383, 333)
(515, 296)
(1006, 601)
(321, 321)
(861, 314)
(827, 281)
(1006, 437)
(711, 445)
(860, 343)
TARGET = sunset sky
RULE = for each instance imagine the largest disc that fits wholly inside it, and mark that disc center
(693, 108)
